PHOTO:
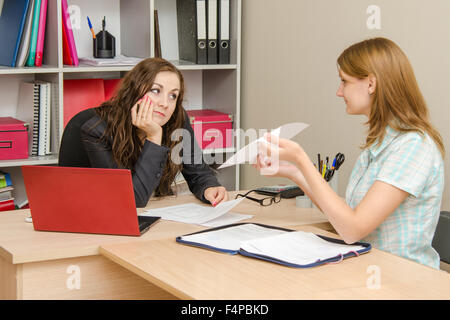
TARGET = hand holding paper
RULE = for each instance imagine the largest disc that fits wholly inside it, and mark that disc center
(249, 153)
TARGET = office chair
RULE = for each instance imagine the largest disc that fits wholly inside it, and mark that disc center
(441, 238)
(71, 151)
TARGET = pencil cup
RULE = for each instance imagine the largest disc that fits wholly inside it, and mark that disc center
(104, 45)
(333, 183)
(303, 201)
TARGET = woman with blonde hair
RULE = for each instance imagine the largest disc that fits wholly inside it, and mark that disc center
(395, 190)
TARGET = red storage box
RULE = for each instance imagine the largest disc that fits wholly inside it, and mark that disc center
(13, 139)
(212, 129)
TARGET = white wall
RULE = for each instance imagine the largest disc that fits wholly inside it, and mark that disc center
(289, 70)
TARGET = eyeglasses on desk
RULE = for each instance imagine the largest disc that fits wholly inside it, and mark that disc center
(267, 201)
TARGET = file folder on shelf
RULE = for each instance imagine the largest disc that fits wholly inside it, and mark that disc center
(283, 246)
(202, 47)
(34, 34)
(212, 32)
(191, 20)
(224, 32)
(24, 48)
(12, 22)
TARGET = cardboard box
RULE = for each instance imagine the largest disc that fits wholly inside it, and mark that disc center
(13, 139)
(212, 129)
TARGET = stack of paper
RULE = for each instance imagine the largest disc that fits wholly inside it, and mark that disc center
(119, 60)
(198, 214)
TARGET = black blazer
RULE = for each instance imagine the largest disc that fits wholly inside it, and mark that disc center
(81, 147)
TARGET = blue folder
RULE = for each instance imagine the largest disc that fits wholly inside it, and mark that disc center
(12, 21)
(366, 247)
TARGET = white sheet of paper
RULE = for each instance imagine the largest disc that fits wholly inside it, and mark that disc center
(297, 247)
(248, 153)
(192, 213)
(227, 218)
(231, 238)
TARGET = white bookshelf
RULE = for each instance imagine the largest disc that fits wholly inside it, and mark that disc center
(132, 23)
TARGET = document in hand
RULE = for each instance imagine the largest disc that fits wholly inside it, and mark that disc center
(249, 152)
(202, 215)
(291, 248)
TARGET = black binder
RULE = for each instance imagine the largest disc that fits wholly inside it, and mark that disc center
(191, 19)
(365, 247)
(224, 31)
(212, 31)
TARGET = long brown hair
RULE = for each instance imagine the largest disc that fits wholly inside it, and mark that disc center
(124, 136)
(397, 99)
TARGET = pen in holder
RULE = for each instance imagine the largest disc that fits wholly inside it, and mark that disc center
(104, 44)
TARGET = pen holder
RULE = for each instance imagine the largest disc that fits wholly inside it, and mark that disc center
(305, 202)
(104, 45)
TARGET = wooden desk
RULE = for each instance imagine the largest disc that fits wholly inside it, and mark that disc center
(194, 273)
(38, 265)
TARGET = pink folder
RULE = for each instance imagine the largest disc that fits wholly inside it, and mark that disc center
(68, 25)
(41, 34)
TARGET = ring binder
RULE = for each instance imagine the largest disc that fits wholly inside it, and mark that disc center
(202, 52)
(224, 32)
(212, 32)
(319, 249)
(192, 36)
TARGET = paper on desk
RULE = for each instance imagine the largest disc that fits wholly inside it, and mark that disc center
(248, 153)
(227, 218)
(198, 214)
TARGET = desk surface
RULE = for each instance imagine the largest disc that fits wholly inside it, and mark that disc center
(195, 273)
(19, 243)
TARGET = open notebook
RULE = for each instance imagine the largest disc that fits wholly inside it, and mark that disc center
(279, 245)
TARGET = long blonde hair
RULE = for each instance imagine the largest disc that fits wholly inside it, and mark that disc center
(397, 100)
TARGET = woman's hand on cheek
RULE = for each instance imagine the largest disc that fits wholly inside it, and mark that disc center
(142, 118)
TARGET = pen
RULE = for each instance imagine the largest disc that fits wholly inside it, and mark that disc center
(334, 164)
(90, 27)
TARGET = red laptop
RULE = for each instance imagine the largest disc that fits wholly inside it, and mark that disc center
(84, 200)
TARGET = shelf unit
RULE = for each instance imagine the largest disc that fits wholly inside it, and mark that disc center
(132, 23)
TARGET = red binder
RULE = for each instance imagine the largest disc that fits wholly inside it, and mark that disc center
(67, 59)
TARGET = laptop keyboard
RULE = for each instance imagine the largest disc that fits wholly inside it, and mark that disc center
(146, 222)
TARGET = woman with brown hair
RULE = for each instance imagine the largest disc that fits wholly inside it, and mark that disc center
(395, 190)
(134, 130)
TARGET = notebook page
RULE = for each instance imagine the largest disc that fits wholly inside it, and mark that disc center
(297, 247)
(231, 238)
